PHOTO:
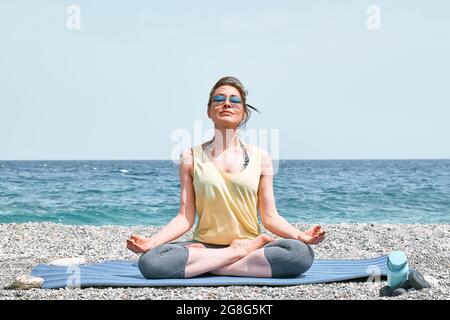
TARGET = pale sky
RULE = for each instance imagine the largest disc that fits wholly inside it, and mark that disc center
(136, 71)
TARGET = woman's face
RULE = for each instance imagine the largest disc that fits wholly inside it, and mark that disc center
(227, 109)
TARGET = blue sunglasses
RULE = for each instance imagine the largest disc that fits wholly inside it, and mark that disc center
(221, 99)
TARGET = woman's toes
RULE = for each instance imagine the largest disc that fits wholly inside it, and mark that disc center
(195, 245)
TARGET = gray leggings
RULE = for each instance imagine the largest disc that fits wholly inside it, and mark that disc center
(286, 257)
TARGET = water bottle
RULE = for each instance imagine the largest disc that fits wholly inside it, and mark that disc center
(398, 268)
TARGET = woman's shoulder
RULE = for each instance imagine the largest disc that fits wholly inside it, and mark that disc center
(187, 160)
(256, 150)
(187, 154)
(265, 159)
(190, 151)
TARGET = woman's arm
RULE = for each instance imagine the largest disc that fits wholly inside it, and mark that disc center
(185, 218)
(270, 218)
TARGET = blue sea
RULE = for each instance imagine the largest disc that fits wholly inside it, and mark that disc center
(147, 192)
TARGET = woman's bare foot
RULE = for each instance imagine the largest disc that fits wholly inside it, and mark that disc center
(139, 244)
(244, 247)
(195, 245)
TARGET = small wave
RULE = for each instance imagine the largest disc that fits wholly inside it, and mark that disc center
(123, 190)
(123, 171)
(90, 191)
(137, 178)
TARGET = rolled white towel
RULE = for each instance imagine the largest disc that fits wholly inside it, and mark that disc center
(68, 262)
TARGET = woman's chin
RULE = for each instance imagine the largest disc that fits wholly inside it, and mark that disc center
(228, 123)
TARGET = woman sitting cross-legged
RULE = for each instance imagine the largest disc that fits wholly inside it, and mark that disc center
(226, 182)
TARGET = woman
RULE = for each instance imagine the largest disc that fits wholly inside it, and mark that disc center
(226, 181)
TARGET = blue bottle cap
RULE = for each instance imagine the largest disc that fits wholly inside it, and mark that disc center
(397, 260)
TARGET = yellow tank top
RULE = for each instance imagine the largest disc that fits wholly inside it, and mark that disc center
(226, 203)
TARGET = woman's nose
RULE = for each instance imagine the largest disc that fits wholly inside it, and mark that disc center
(227, 103)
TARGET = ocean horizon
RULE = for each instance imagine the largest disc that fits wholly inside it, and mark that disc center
(146, 192)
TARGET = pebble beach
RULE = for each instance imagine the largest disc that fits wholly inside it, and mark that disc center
(25, 245)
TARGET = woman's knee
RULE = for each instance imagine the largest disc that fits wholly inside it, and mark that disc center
(293, 258)
(304, 254)
(163, 262)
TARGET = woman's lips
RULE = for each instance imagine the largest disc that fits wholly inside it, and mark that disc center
(226, 113)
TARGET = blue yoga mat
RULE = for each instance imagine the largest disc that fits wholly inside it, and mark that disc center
(126, 274)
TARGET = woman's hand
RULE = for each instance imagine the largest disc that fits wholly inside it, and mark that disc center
(314, 235)
(140, 244)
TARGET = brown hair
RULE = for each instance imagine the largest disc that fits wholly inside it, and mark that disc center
(234, 82)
